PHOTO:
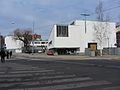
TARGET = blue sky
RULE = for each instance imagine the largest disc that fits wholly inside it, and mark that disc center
(45, 13)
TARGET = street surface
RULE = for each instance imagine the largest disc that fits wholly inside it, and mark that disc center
(21, 73)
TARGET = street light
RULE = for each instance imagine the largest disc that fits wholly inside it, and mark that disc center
(85, 15)
(108, 44)
(33, 39)
(108, 41)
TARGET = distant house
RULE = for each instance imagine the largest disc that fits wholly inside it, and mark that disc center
(118, 36)
(73, 39)
(2, 42)
(13, 44)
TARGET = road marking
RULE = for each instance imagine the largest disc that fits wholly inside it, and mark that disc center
(68, 80)
(39, 59)
(56, 77)
(29, 69)
(32, 58)
(15, 72)
(36, 78)
(24, 71)
(2, 72)
(31, 74)
(42, 82)
(110, 88)
(69, 86)
(75, 63)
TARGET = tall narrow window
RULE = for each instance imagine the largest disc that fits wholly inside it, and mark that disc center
(62, 31)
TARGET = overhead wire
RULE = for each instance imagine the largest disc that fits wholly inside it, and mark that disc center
(65, 21)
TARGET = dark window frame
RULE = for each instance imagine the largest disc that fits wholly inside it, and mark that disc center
(62, 31)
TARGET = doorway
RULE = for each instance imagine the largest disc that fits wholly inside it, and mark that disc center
(92, 46)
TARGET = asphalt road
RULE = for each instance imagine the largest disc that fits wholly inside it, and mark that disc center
(47, 74)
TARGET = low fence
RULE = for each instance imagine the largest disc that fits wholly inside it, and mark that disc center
(112, 51)
(106, 51)
(88, 52)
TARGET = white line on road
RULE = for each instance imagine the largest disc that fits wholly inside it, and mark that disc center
(30, 74)
(110, 88)
(42, 82)
(36, 78)
(15, 72)
(69, 86)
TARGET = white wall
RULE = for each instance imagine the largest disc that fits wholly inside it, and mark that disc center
(71, 40)
(78, 38)
(52, 38)
(13, 44)
(39, 43)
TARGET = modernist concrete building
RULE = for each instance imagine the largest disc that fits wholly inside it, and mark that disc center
(13, 44)
(74, 38)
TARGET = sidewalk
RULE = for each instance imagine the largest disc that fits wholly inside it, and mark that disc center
(44, 56)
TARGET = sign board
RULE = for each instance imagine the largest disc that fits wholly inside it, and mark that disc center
(117, 44)
(4, 45)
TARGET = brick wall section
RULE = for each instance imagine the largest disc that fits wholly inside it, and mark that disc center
(118, 36)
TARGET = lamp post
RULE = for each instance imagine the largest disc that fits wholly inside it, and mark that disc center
(33, 39)
(85, 15)
(108, 41)
(108, 45)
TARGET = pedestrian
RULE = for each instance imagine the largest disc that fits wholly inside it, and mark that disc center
(10, 54)
(7, 53)
(2, 55)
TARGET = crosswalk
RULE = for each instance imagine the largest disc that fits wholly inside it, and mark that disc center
(20, 77)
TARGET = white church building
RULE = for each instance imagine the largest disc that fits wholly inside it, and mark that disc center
(74, 38)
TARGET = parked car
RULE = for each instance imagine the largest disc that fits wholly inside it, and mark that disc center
(28, 51)
(40, 51)
(50, 53)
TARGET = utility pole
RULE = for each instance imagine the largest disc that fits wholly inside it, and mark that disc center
(85, 15)
(33, 39)
(108, 46)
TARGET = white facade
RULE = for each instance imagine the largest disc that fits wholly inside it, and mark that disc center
(13, 44)
(78, 38)
(38, 43)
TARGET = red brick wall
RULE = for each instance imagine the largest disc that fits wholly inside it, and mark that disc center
(118, 38)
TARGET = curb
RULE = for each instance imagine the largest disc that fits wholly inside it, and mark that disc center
(66, 57)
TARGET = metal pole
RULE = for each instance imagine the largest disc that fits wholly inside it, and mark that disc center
(108, 46)
(85, 15)
(85, 24)
(33, 39)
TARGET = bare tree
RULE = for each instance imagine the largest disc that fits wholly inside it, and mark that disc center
(118, 23)
(99, 11)
(25, 36)
(101, 27)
